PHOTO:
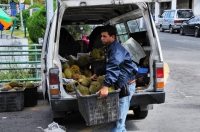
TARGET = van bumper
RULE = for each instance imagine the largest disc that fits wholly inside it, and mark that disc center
(64, 104)
(147, 98)
(176, 27)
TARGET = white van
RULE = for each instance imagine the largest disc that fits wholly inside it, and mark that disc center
(132, 19)
(172, 19)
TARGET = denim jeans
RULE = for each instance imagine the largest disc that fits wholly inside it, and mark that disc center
(124, 104)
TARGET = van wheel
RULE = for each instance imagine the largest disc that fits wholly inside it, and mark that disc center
(181, 31)
(196, 33)
(171, 29)
(161, 28)
(140, 114)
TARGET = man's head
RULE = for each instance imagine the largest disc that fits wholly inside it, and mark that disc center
(108, 34)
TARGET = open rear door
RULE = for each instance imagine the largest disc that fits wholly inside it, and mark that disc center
(43, 60)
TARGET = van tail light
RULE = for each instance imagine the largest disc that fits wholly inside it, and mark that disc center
(54, 89)
(159, 80)
(177, 21)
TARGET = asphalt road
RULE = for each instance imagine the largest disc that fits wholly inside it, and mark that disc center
(180, 112)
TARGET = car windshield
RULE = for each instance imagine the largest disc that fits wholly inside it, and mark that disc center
(184, 13)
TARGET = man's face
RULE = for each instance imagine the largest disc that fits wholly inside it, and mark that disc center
(106, 38)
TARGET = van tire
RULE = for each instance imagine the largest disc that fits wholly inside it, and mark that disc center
(182, 31)
(196, 33)
(161, 28)
(171, 30)
(140, 114)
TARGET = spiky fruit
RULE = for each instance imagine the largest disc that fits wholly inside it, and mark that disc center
(70, 87)
(86, 81)
(100, 79)
(110, 89)
(65, 65)
(83, 60)
(68, 73)
(76, 76)
(63, 75)
(29, 85)
(83, 90)
(94, 87)
(87, 73)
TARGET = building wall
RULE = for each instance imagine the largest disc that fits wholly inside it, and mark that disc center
(196, 8)
(178, 4)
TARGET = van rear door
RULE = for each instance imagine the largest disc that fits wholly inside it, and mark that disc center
(43, 59)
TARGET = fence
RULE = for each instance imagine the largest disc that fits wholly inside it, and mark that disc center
(20, 62)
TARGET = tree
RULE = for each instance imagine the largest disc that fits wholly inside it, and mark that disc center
(36, 24)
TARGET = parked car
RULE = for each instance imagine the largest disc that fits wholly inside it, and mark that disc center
(191, 27)
(172, 19)
(132, 21)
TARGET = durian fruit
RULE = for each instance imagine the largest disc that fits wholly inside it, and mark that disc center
(100, 79)
(110, 89)
(12, 90)
(87, 73)
(63, 75)
(83, 60)
(29, 85)
(75, 69)
(101, 52)
(65, 65)
(86, 81)
(67, 73)
(70, 87)
(95, 54)
(102, 57)
(83, 90)
(94, 87)
(7, 86)
(13, 84)
(81, 78)
(70, 60)
(76, 76)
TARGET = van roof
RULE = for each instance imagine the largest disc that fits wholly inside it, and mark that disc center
(97, 14)
(75, 3)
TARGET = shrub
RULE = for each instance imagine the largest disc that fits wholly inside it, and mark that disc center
(36, 24)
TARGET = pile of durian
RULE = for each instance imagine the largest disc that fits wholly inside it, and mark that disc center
(86, 86)
(79, 71)
(16, 86)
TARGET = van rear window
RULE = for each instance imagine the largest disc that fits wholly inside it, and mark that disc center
(184, 13)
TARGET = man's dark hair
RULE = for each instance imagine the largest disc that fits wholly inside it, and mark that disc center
(110, 29)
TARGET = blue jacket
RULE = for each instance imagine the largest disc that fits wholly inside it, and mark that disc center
(120, 69)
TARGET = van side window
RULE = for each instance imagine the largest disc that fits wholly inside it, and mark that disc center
(133, 27)
(142, 25)
(163, 15)
(137, 25)
(167, 14)
(121, 33)
(138, 31)
(172, 14)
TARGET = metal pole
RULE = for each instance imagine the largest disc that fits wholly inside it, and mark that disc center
(31, 2)
(49, 10)
(20, 11)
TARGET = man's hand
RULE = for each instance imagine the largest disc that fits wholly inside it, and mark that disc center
(93, 77)
(103, 92)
